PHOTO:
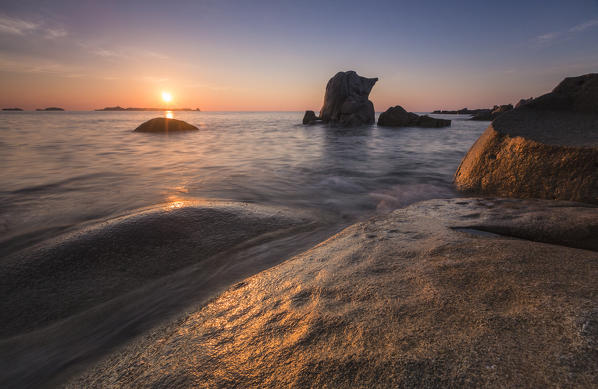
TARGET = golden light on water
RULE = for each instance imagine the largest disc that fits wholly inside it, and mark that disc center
(166, 97)
(168, 114)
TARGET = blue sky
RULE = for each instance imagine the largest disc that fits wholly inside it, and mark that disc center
(278, 55)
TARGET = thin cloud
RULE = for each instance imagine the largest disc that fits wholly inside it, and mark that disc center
(16, 26)
(550, 37)
(584, 26)
(22, 27)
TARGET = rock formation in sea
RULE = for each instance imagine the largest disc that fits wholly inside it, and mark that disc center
(435, 295)
(397, 117)
(12, 109)
(50, 109)
(546, 148)
(462, 111)
(310, 117)
(346, 100)
(165, 125)
(491, 114)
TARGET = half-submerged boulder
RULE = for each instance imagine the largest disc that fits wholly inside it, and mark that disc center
(397, 117)
(546, 148)
(165, 125)
(310, 117)
(346, 100)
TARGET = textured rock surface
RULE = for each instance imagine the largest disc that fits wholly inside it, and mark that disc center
(491, 114)
(75, 298)
(419, 298)
(165, 125)
(547, 148)
(397, 117)
(346, 100)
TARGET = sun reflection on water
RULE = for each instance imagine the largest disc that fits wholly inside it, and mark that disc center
(168, 114)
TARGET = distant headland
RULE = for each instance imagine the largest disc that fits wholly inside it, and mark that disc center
(12, 109)
(118, 108)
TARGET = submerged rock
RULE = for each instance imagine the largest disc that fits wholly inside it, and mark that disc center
(547, 148)
(310, 117)
(419, 298)
(397, 117)
(346, 100)
(165, 125)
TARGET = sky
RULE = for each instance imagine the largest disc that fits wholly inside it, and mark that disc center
(221, 55)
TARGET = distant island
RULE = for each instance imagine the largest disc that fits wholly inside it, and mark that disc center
(118, 108)
(462, 111)
(12, 109)
(50, 109)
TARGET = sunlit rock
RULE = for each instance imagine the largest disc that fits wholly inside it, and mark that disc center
(397, 117)
(165, 125)
(346, 100)
(546, 148)
(435, 295)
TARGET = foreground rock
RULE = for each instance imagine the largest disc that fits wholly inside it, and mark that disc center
(74, 298)
(547, 148)
(420, 298)
(346, 100)
(165, 125)
(398, 117)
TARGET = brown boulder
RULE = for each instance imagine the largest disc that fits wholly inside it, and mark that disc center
(547, 148)
(165, 125)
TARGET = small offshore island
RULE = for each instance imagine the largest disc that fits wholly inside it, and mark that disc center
(118, 108)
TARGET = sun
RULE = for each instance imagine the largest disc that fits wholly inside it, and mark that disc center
(166, 97)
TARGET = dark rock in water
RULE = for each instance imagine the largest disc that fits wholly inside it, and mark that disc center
(310, 117)
(462, 111)
(547, 148)
(522, 102)
(398, 117)
(12, 109)
(165, 125)
(493, 113)
(483, 115)
(50, 109)
(346, 100)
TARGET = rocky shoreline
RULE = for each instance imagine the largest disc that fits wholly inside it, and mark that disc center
(474, 291)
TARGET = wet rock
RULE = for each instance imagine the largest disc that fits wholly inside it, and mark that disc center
(397, 117)
(547, 148)
(310, 117)
(346, 100)
(423, 305)
(165, 125)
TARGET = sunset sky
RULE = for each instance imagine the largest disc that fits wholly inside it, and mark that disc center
(278, 55)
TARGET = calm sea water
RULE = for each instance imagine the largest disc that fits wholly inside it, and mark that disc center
(61, 169)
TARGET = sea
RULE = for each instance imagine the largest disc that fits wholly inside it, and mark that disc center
(62, 170)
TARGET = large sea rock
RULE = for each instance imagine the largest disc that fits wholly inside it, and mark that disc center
(442, 294)
(165, 125)
(346, 100)
(546, 148)
(397, 116)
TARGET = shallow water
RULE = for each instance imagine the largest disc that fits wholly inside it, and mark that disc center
(59, 170)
